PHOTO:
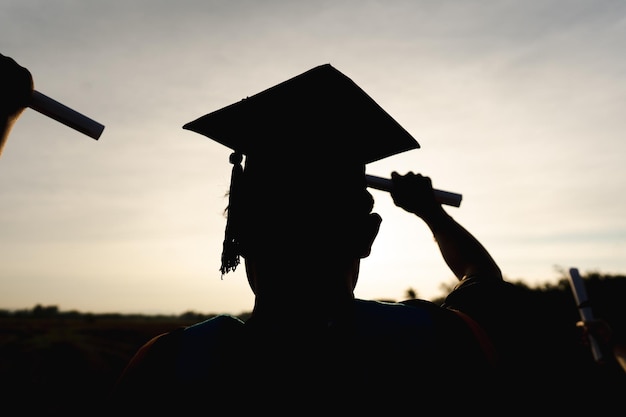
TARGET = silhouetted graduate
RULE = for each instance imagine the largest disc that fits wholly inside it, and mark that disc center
(300, 216)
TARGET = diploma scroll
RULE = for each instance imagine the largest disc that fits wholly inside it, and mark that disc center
(584, 309)
(69, 117)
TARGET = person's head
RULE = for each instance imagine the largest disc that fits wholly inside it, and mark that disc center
(301, 227)
(300, 205)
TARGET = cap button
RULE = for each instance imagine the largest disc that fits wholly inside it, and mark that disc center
(235, 158)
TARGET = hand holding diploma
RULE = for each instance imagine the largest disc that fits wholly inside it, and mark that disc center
(584, 309)
(442, 197)
(16, 84)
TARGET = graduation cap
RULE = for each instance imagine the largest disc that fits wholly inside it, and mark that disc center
(319, 128)
(321, 110)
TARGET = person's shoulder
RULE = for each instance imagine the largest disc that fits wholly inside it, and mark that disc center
(211, 333)
(206, 345)
(396, 321)
(434, 342)
(183, 347)
(222, 325)
(482, 297)
(406, 313)
(171, 364)
(384, 311)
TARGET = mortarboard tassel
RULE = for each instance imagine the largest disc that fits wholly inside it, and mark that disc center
(230, 250)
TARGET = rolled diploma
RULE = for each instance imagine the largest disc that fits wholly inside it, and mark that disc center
(69, 117)
(580, 295)
(443, 197)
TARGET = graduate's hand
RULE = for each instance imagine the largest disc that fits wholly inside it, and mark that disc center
(597, 328)
(414, 193)
(16, 84)
(16, 89)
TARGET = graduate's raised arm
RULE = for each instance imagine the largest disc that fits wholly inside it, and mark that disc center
(18, 93)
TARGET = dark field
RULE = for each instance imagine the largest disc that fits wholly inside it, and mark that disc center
(66, 365)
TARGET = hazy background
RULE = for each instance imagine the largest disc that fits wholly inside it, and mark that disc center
(519, 106)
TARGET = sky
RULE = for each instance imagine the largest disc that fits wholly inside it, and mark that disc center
(518, 106)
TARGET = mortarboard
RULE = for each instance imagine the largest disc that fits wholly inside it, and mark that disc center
(320, 110)
(319, 124)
